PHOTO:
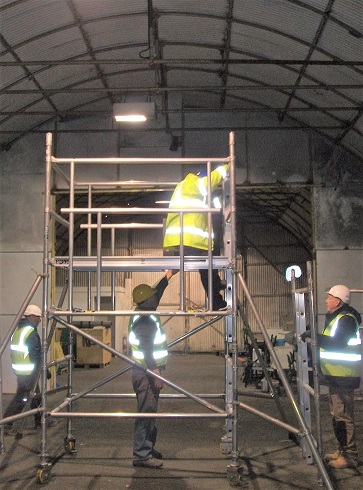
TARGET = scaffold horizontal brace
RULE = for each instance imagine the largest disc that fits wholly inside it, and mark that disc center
(127, 263)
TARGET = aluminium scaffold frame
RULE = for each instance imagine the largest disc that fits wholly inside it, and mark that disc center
(97, 264)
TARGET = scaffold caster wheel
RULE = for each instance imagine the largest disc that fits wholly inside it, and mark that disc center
(70, 445)
(226, 445)
(235, 475)
(225, 448)
(43, 474)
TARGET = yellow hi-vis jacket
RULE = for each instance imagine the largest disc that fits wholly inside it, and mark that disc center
(341, 362)
(20, 359)
(192, 193)
(160, 352)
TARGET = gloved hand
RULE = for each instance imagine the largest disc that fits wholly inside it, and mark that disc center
(48, 374)
(305, 335)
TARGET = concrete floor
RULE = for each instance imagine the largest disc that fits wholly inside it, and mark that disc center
(193, 459)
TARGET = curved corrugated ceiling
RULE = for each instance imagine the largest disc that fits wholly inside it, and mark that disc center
(300, 60)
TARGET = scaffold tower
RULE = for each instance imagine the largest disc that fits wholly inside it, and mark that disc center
(94, 263)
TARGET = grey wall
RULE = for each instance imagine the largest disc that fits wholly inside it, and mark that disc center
(21, 234)
(338, 201)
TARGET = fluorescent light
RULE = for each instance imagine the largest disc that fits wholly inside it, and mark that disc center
(130, 118)
(134, 111)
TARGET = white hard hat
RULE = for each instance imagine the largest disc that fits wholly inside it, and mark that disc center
(341, 292)
(32, 310)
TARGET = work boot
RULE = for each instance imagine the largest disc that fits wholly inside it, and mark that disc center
(156, 454)
(332, 456)
(220, 305)
(148, 463)
(342, 462)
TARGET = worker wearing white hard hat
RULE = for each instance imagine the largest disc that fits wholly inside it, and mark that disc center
(340, 364)
(25, 361)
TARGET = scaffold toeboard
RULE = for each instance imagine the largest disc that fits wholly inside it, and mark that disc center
(127, 263)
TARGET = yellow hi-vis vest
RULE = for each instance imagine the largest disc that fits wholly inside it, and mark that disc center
(20, 360)
(192, 192)
(160, 352)
(345, 362)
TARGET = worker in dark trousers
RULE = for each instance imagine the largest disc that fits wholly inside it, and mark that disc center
(340, 364)
(25, 360)
(148, 350)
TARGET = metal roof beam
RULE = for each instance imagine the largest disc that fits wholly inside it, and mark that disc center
(89, 48)
(192, 88)
(187, 61)
(312, 48)
(186, 110)
(225, 52)
(28, 74)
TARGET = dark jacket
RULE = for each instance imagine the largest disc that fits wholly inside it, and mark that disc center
(145, 328)
(33, 343)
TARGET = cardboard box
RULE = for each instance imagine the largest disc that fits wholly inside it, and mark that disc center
(90, 353)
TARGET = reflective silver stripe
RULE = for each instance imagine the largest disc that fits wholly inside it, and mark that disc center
(334, 326)
(184, 203)
(202, 188)
(217, 203)
(193, 230)
(133, 339)
(221, 170)
(154, 318)
(160, 354)
(23, 367)
(336, 356)
(21, 346)
(356, 340)
(159, 337)
(157, 355)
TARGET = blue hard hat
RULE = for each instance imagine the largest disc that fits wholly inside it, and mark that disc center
(202, 173)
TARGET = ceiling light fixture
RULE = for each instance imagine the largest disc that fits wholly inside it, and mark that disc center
(134, 111)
